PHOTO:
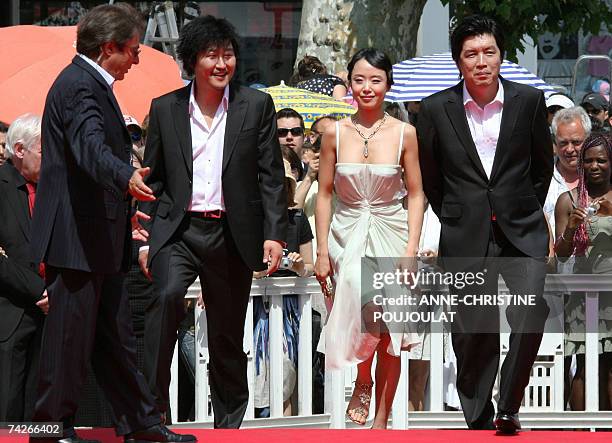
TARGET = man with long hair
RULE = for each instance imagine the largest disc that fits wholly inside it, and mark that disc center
(81, 230)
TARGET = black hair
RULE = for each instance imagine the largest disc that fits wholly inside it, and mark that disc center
(290, 113)
(293, 159)
(474, 25)
(376, 58)
(3, 127)
(581, 238)
(201, 34)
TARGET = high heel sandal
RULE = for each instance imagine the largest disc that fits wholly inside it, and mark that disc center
(363, 391)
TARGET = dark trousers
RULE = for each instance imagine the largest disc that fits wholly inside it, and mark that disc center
(89, 319)
(204, 248)
(475, 334)
(19, 356)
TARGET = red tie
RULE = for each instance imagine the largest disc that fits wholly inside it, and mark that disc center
(31, 200)
(31, 196)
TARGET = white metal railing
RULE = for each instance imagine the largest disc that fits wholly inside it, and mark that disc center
(543, 405)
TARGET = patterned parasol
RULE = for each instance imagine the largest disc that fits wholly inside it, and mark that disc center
(309, 105)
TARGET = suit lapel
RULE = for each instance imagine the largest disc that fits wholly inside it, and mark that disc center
(19, 201)
(456, 114)
(236, 112)
(111, 95)
(182, 126)
(510, 112)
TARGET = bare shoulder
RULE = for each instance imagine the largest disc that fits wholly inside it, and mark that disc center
(329, 137)
(343, 123)
(408, 129)
(564, 201)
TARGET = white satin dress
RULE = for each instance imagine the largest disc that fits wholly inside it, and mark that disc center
(369, 221)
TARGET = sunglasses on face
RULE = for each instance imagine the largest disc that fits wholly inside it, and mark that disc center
(297, 131)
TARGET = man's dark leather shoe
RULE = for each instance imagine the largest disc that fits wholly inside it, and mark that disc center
(158, 434)
(507, 423)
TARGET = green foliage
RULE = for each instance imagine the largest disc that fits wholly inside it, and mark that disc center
(528, 17)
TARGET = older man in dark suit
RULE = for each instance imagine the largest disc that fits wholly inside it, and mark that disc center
(217, 170)
(81, 230)
(486, 155)
(23, 298)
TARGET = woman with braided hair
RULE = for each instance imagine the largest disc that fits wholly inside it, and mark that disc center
(584, 229)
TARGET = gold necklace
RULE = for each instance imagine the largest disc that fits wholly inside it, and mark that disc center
(372, 134)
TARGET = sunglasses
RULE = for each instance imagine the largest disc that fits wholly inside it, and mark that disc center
(297, 131)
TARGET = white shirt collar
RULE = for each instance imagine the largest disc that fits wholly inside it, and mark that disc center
(499, 97)
(103, 72)
(193, 103)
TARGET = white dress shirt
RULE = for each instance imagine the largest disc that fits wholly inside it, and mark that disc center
(557, 187)
(103, 72)
(207, 147)
(484, 125)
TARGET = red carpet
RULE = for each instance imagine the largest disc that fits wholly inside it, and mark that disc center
(359, 436)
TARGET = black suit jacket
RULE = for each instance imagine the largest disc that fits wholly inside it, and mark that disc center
(20, 285)
(81, 213)
(252, 178)
(457, 186)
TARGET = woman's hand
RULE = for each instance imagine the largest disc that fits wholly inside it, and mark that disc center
(323, 268)
(297, 263)
(605, 207)
(324, 272)
(576, 218)
(408, 265)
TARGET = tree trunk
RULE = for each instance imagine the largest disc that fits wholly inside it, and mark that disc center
(333, 30)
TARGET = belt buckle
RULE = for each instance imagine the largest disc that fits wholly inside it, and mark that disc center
(213, 214)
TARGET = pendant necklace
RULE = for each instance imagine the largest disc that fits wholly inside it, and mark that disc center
(372, 134)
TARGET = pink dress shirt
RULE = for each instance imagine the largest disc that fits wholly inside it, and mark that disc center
(207, 146)
(484, 125)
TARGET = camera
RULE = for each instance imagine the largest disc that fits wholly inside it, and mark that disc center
(592, 210)
(286, 262)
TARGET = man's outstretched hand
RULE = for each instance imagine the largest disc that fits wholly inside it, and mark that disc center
(138, 232)
(137, 187)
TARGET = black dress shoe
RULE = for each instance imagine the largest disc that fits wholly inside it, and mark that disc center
(507, 423)
(158, 434)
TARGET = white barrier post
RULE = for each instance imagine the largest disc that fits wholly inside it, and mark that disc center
(305, 356)
(592, 352)
(276, 355)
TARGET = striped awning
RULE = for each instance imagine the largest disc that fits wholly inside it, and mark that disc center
(421, 77)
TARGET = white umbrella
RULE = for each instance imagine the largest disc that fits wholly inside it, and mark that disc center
(421, 77)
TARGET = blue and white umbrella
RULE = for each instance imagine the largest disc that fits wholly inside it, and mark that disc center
(421, 77)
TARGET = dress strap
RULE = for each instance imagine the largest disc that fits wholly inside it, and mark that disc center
(401, 143)
(571, 196)
(337, 140)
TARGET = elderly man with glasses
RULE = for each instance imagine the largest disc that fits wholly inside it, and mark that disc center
(570, 127)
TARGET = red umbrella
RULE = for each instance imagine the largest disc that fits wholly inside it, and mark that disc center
(33, 56)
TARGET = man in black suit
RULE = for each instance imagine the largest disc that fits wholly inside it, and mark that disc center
(23, 298)
(81, 230)
(220, 214)
(486, 156)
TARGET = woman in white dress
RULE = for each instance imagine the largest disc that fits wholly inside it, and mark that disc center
(371, 162)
